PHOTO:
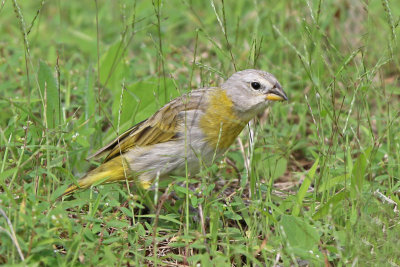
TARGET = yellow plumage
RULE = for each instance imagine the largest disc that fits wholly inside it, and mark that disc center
(111, 171)
(220, 123)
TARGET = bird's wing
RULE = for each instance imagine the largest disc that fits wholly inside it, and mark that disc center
(163, 126)
(113, 143)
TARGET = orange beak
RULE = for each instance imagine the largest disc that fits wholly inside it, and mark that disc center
(276, 94)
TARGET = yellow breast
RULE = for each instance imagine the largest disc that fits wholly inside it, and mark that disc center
(220, 124)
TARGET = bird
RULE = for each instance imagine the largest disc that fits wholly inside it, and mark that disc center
(188, 132)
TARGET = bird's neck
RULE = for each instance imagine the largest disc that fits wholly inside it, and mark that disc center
(220, 123)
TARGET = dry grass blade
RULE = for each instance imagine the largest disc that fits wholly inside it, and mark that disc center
(11, 234)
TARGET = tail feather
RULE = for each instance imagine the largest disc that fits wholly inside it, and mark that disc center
(116, 169)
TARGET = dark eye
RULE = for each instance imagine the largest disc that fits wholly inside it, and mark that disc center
(256, 85)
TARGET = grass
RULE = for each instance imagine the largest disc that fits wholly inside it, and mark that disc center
(312, 182)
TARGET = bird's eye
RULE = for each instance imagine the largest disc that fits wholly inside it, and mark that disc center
(256, 85)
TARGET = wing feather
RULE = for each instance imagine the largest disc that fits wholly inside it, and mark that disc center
(163, 126)
(113, 143)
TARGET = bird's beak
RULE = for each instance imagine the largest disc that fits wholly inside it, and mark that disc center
(276, 94)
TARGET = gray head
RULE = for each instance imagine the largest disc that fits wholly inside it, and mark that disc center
(251, 91)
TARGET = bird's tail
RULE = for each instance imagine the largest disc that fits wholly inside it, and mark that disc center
(116, 169)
